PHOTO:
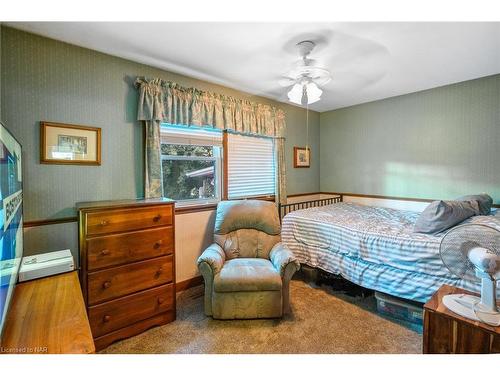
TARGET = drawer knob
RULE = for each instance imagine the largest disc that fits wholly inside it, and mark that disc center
(157, 218)
(106, 318)
(106, 284)
(104, 222)
(158, 244)
(161, 300)
(159, 272)
(105, 252)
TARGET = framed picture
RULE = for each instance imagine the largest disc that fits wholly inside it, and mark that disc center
(301, 157)
(69, 144)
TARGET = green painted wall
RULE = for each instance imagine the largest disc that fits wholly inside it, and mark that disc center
(438, 143)
(44, 79)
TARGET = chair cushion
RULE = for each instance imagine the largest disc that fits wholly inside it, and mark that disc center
(246, 243)
(247, 214)
(247, 274)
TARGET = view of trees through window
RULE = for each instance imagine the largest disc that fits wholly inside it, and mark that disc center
(189, 172)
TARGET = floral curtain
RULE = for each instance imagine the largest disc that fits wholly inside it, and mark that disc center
(279, 147)
(164, 101)
(153, 175)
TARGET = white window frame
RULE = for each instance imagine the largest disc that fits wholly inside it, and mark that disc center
(273, 156)
(195, 139)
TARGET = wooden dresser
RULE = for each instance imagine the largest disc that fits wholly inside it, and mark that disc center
(127, 260)
(446, 332)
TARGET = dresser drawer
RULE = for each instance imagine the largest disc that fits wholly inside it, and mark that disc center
(124, 311)
(122, 280)
(121, 220)
(116, 249)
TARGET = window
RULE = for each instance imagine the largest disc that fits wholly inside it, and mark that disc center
(191, 164)
(250, 166)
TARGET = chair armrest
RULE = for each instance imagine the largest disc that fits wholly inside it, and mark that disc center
(281, 257)
(214, 256)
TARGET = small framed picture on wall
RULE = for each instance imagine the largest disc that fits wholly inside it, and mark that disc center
(301, 157)
(69, 144)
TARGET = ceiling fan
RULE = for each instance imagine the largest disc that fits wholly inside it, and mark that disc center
(305, 77)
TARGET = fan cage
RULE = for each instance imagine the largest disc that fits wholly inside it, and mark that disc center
(456, 244)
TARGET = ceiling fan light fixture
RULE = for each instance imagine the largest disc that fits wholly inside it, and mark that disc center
(296, 93)
(306, 77)
(305, 93)
(313, 92)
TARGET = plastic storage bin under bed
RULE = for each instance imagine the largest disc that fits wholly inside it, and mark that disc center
(400, 309)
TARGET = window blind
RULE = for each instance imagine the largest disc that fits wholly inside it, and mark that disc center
(250, 164)
(190, 135)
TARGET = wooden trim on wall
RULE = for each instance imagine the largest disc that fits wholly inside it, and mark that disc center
(197, 208)
(301, 194)
(38, 223)
(74, 219)
(189, 283)
(382, 197)
(270, 198)
(373, 196)
(390, 197)
(211, 207)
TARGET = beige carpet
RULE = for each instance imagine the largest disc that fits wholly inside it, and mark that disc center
(322, 321)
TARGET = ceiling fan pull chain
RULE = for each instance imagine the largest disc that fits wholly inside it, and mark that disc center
(307, 128)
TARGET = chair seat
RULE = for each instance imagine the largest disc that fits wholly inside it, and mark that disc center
(246, 275)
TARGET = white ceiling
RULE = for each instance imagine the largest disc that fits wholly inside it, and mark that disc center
(368, 61)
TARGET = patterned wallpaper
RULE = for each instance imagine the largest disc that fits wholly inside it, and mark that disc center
(438, 143)
(44, 79)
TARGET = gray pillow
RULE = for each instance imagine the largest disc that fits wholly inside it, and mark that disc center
(441, 215)
(484, 201)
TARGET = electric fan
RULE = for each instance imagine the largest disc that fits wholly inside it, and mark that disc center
(472, 252)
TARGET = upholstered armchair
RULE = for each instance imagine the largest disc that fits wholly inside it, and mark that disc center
(247, 270)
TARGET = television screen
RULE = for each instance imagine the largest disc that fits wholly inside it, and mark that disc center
(11, 218)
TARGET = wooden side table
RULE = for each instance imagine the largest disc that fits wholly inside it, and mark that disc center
(446, 332)
(48, 316)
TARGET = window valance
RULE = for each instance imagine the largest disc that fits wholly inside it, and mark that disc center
(166, 101)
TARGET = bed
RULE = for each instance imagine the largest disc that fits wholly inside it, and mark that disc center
(373, 247)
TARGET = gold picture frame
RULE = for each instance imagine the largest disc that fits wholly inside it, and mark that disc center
(69, 144)
(301, 157)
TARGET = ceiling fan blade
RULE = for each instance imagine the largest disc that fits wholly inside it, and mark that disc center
(350, 53)
(286, 81)
(349, 80)
(321, 76)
